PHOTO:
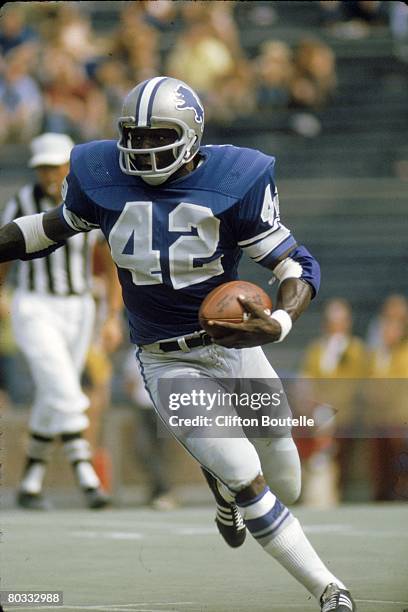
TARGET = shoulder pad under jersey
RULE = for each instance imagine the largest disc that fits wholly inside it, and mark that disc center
(233, 170)
(96, 164)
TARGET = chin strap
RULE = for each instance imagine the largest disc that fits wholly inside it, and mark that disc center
(156, 180)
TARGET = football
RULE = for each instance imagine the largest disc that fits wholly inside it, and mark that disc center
(221, 304)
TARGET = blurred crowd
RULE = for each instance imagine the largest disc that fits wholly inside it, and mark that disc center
(59, 74)
(357, 392)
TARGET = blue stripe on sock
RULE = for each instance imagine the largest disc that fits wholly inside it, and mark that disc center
(275, 528)
(267, 519)
(252, 501)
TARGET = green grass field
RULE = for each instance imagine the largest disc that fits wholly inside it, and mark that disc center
(141, 560)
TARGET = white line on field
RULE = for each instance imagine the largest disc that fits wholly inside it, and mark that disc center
(200, 530)
(136, 535)
(156, 526)
(326, 528)
(110, 608)
(302, 605)
(187, 531)
(108, 535)
(380, 601)
(374, 533)
(133, 607)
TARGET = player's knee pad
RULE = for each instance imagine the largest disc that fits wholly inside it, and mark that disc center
(238, 477)
(281, 467)
(234, 461)
(287, 488)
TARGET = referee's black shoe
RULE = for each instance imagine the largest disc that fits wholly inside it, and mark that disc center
(335, 599)
(228, 519)
(32, 501)
(96, 499)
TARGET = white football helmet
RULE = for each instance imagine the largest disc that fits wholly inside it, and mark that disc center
(160, 102)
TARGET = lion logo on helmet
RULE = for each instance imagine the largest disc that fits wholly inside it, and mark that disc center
(187, 99)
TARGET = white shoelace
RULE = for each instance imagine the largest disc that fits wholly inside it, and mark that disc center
(230, 515)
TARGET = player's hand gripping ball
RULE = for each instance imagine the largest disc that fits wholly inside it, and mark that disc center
(222, 305)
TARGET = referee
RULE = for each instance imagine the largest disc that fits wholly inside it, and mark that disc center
(52, 318)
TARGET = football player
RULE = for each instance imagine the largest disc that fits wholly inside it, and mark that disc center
(177, 216)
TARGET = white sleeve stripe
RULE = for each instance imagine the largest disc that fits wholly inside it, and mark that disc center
(67, 218)
(270, 250)
(244, 243)
(32, 229)
(77, 223)
(264, 247)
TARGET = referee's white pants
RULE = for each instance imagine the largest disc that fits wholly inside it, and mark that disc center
(54, 334)
(236, 461)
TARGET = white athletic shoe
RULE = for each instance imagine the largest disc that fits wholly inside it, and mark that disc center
(335, 599)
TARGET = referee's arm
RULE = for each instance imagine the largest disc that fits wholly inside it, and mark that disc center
(4, 268)
(111, 330)
(33, 236)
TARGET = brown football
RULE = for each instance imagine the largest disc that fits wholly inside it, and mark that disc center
(221, 304)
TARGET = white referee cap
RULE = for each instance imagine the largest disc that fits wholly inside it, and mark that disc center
(50, 150)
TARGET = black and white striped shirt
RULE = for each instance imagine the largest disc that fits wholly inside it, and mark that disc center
(67, 271)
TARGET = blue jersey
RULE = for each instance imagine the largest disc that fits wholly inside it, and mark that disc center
(175, 242)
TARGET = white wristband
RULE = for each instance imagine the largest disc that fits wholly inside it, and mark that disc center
(284, 320)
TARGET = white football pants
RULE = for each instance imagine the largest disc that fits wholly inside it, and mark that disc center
(54, 334)
(235, 461)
